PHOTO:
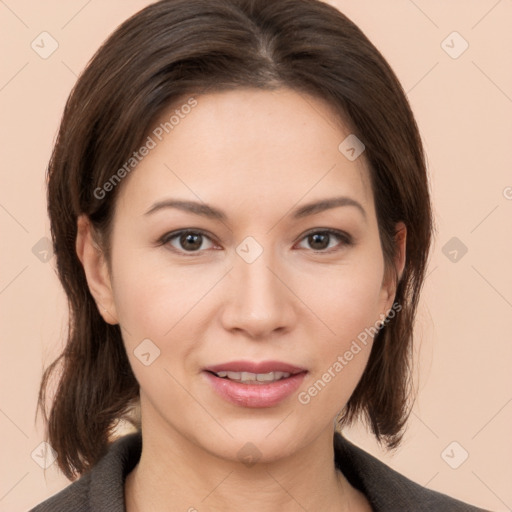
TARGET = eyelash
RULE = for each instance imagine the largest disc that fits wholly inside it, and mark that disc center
(345, 239)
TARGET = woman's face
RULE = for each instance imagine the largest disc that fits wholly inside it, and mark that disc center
(280, 269)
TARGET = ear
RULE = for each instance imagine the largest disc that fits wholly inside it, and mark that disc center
(96, 270)
(390, 283)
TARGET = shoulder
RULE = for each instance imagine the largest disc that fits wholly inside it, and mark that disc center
(101, 489)
(385, 488)
(73, 497)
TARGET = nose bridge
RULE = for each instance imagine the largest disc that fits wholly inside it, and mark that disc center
(259, 302)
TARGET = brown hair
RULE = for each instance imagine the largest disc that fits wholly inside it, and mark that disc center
(177, 47)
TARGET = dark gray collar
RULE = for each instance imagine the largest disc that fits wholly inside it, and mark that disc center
(102, 489)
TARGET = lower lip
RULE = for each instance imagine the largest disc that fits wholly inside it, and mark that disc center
(255, 395)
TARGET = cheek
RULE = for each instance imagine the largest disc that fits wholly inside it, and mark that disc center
(152, 297)
(170, 307)
(347, 299)
(348, 302)
(154, 308)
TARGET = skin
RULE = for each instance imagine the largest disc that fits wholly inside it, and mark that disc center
(256, 155)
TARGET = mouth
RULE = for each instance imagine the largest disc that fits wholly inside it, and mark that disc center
(250, 384)
(249, 372)
(252, 378)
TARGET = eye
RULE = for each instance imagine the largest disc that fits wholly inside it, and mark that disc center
(188, 241)
(320, 240)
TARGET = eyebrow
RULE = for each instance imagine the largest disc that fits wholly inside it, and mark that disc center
(214, 213)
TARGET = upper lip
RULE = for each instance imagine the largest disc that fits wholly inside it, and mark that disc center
(255, 367)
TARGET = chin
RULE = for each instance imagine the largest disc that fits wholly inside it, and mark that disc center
(258, 441)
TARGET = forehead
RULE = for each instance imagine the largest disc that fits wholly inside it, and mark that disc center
(247, 145)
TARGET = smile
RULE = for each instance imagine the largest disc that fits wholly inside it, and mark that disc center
(253, 378)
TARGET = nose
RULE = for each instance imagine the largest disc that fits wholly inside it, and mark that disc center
(258, 302)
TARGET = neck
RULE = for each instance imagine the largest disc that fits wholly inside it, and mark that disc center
(175, 474)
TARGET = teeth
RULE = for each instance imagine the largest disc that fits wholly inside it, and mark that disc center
(248, 377)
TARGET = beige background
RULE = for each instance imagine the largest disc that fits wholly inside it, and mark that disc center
(464, 109)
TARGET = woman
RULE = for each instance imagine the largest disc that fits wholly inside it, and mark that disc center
(241, 218)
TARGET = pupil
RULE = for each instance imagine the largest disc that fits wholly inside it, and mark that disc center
(190, 241)
(321, 239)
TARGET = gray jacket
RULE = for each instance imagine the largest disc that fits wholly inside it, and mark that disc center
(102, 488)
